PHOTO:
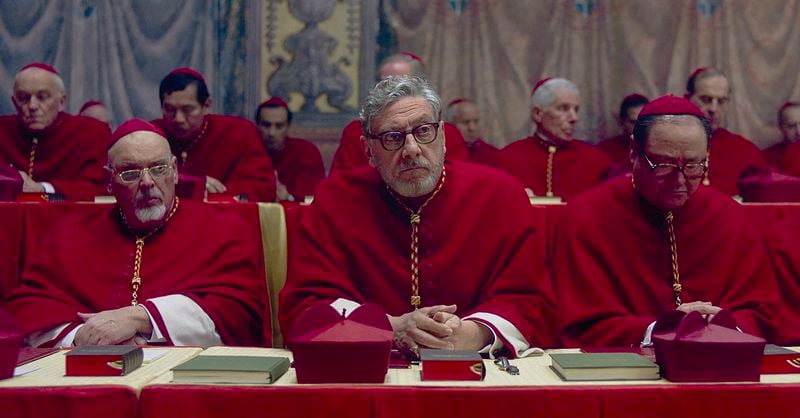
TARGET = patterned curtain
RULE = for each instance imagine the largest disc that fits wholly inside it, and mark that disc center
(493, 51)
(118, 51)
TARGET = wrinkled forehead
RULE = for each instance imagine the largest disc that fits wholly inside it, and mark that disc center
(406, 109)
(140, 147)
(713, 86)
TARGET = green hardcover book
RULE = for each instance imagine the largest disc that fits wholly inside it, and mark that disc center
(604, 366)
(231, 369)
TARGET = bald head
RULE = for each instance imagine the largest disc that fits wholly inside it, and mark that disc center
(39, 96)
(399, 65)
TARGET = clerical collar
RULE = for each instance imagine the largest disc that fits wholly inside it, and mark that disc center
(547, 141)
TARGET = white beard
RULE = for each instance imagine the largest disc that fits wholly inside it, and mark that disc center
(151, 213)
(415, 188)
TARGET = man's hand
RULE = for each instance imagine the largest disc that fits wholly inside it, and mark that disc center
(29, 185)
(418, 328)
(705, 308)
(116, 326)
(467, 335)
(214, 186)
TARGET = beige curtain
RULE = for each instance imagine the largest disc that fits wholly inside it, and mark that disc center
(494, 50)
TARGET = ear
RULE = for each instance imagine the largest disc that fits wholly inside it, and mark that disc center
(207, 105)
(367, 151)
(62, 103)
(633, 149)
(110, 175)
(444, 138)
(536, 114)
(175, 169)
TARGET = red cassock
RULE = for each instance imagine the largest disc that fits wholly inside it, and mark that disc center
(481, 152)
(479, 248)
(299, 166)
(203, 253)
(70, 154)
(351, 154)
(790, 161)
(774, 155)
(731, 154)
(618, 149)
(577, 166)
(230, 150)
(784, 250)
(612, 268)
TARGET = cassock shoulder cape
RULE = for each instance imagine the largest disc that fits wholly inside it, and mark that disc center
(577, 166)
(612, 270)
(479, 248)
(300, 168)
(204, 253)
(70, 154)
(230, 151)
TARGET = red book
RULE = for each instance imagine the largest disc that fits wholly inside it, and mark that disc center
(451, 365)
(779, 360)
(104, 360)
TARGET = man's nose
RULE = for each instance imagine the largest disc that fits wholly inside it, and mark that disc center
(411, 147)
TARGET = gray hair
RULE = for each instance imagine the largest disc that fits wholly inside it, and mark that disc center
(545, 95)
(394, 88)
(60, 88)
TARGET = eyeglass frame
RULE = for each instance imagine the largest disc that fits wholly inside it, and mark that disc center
(380, 136)
(141, 172)
(678, 167)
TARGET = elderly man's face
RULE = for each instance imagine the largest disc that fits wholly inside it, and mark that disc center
(679, 141)
(414, 169)
(712, 95)
(273, 125)
(560, 118)
(145, 201)
(183, 114)
(790, 124)
(468, 120)
(38, 98)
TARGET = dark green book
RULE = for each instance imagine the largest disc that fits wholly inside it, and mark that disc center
(604, 366)
(231, 369)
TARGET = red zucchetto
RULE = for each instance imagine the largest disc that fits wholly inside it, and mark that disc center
(671, 105)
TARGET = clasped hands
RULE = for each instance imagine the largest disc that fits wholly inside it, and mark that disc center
(124, 326)
(707, 309)
(438, 327)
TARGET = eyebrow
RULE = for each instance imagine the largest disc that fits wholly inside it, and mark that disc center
(413, 123)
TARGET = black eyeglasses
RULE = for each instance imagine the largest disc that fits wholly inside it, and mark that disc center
(690, 170)
(394, 140)
(132, 176)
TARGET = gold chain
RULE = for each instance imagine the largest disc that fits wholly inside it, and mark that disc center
(551, 152)
(706, 179)
(673, 250)
(414, 219)
(32, 159)
(136, 280)
(185, 152)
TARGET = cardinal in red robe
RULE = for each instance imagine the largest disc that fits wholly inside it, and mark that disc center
(297, 161)
(551, 162)
(150, 269)
(224, 149)
(730, 154)
(632, 249)
(449, 249)
(54, 152)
